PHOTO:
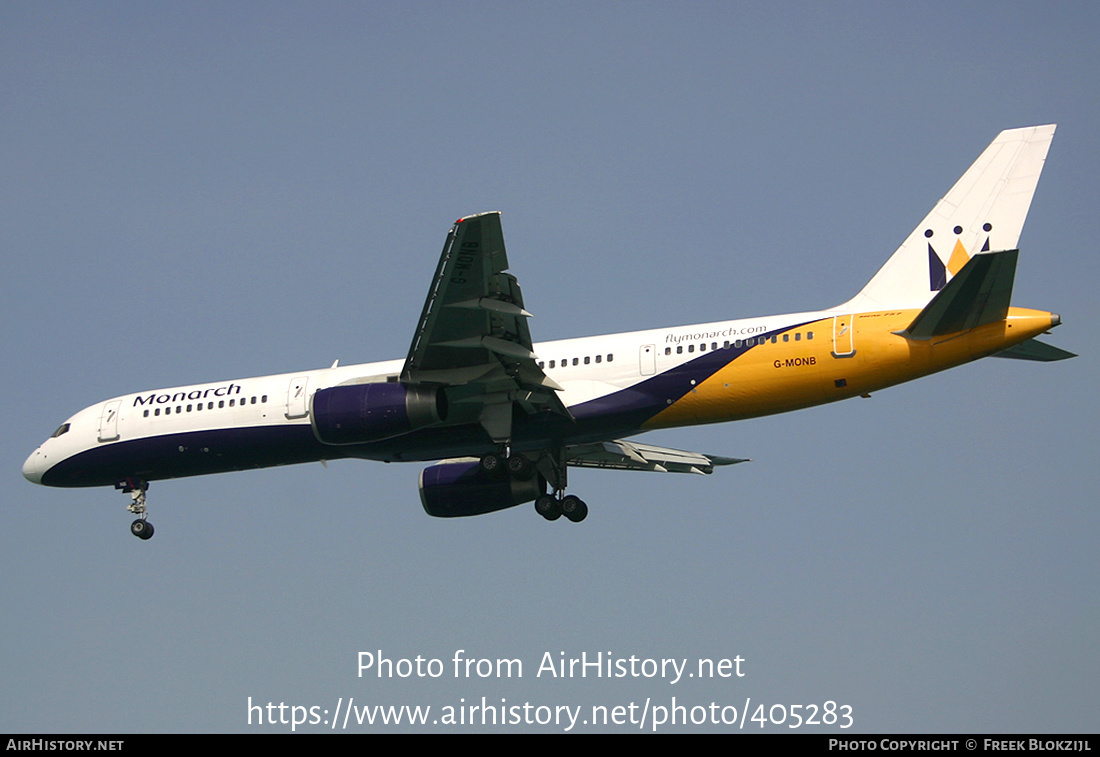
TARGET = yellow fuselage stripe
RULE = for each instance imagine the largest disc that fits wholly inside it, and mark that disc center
(867, 356)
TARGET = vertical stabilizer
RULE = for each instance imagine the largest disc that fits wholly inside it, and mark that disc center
(983, 212)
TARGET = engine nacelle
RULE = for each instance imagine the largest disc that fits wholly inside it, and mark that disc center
(456, 489)
(358, 413)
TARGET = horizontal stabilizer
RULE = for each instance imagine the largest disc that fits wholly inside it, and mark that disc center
(623, 455)
(978, 294)
(1033, 349)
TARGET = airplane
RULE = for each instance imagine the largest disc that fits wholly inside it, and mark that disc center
(502, 419)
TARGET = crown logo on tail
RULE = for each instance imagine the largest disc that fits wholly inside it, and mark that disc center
(939, 273)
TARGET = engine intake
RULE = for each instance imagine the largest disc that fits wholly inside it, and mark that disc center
(461, 488)
(359, 413)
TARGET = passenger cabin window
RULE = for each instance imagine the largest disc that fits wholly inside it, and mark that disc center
(586, 360)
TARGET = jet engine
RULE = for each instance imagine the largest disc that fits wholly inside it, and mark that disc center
(460, 488)
(359, 413)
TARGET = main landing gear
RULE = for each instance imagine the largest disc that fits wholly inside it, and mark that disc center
(551, 507)
(518, 467)
(136, 488)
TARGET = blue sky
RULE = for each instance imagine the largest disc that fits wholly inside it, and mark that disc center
(195, 192)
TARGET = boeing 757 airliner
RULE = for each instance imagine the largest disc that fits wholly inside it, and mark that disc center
(505, 418)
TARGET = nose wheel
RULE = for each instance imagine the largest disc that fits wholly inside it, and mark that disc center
(142, 529)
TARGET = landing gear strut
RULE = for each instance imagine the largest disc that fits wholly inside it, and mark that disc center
(136, 488)
(505, 464)
(551, 465)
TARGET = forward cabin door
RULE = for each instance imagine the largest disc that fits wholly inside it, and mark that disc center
(108, 421)
(296, 397)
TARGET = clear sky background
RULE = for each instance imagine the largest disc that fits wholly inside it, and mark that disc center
(203, 191)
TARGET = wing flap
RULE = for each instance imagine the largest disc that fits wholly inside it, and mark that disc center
(624, 455)
(485, 303)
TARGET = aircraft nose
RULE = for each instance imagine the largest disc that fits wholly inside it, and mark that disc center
(34, 466)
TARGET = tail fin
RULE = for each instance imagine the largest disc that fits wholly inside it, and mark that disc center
(984, 211)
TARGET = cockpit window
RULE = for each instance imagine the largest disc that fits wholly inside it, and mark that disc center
(61, 430)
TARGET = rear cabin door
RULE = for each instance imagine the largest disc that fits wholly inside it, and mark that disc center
(843, 336)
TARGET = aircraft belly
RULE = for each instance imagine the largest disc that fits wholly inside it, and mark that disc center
(190, 454)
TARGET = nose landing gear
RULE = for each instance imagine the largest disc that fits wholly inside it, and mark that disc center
(136, 488)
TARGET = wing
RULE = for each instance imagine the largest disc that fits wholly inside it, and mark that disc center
(624, 455)
(473, 336)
